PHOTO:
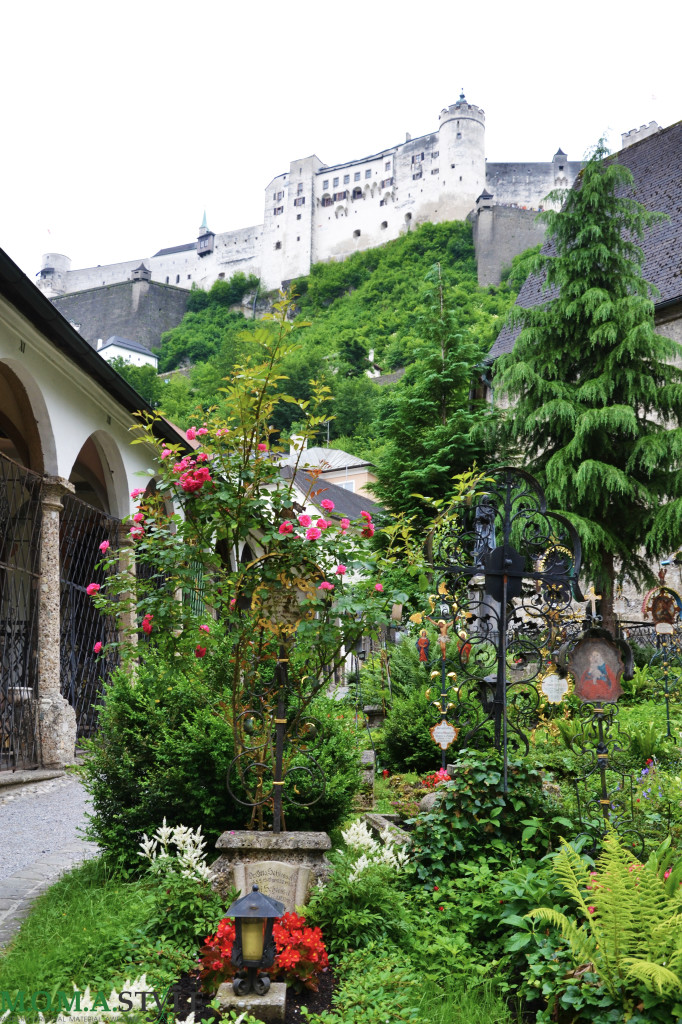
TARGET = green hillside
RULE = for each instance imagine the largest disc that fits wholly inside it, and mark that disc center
(415, 304)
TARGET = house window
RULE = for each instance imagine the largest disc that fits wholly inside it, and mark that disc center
(368, 172)
(335, 182)
(357, 233)
(277, 210)
(325, 184)
(387, 165)
(356, 176)
(300, 201)
(346, 179)
(348, 485)
(435, 154)
(278, 245)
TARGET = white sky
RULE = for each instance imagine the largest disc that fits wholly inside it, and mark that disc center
(123, 121)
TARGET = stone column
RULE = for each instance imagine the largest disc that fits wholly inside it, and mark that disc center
(56, 717)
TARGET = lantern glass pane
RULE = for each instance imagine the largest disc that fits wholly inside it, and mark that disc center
(252, 938)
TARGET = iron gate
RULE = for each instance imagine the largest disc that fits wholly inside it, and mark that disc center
(20, 523)
(83, 671)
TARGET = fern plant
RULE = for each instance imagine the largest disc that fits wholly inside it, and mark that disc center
(632, 927)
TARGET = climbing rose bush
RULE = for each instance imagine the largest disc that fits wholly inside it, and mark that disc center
(301, 954)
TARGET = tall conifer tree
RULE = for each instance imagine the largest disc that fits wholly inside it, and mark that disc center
(595, 394)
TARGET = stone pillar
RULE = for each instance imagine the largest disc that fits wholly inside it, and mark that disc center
(56, 717)
(127, 619)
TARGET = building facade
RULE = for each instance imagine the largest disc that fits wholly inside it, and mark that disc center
(314, 212)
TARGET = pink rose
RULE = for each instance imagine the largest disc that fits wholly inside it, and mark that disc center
(180, 466)
(341, 570)
(202, 457)
(327, 505)
(262, 447)
(98, 647)
(92, 588)
(322, 524)
(326, 586)
(147, 624)
(201, 430)
(379, 587)
(137, 492)
(138, 517)
(368, 531)
(304, 520)
(367, 516)
(313, 533)
(286, 527)
(136, 532)
(233, 601)
(191, 434)
(591, 910)
(199, 651)
(165, 453)
(205, 629)
(104, 546)
(344, 524)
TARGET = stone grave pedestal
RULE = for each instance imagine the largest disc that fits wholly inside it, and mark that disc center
(284, 865)
(269, 1008)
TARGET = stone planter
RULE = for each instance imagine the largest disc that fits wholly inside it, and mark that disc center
(285, 865)
(375, 715)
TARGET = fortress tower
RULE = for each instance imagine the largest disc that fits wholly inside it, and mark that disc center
(462, 155)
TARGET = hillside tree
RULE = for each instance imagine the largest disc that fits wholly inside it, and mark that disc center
(595, 394)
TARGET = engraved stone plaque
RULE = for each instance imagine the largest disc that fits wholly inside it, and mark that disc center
(554, 688)
(274, 879)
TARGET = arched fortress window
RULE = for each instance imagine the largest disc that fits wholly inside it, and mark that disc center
(357, 193)
(384, 224)
(357, 233)
(326, 200)
(341, 212)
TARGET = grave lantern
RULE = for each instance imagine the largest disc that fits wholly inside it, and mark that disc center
(254, 946)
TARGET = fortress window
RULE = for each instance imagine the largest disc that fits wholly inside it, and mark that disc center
(435, 154)
(298, 216)
(459, 135)
(326, 201)
(387, 165)
(452, 166)
(335, 182)
(417, 158)
(561, 167)
(357, 233)
(280, 195)
(356, 176)
(300, 201)
(298, 238)
(346, 179)
(368, 172)
(299, 188)
(417, 176)
(167, 280)
(325, 184)
(189, 277)
(278, 245)
(434, 171)
(177, 279)
(384, 224)
(221, 275)
(386, 182)
(340, 196)
(357, 193)
(277, 210)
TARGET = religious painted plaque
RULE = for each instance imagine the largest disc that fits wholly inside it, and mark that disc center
(444, 734)
(596, 665)
(554, 688)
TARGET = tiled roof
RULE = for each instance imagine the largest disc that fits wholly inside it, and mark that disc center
(655, 165)
(176, 248)
(128, 344)
(346, 503)
(325, 458)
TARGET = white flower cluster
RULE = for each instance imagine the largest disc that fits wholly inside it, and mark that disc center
(359, 837)
(189, 859)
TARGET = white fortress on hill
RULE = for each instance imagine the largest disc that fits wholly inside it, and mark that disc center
(315, 213)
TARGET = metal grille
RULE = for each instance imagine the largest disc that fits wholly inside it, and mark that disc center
(83, 672)
(20, 523)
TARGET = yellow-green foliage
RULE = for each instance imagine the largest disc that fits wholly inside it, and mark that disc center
(632, 927)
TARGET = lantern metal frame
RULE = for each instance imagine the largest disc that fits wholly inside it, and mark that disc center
(255, 905)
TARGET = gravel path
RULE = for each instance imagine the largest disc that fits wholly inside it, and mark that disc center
(39, 820)
(39, 841)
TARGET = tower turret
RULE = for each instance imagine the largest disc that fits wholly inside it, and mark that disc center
(461, 135)
(52, 273)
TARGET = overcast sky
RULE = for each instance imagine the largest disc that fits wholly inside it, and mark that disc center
(123, 121)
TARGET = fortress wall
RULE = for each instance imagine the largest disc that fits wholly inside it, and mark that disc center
(140, 310)
(528, 184)
(500, 233)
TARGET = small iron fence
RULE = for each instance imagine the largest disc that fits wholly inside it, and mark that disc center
(20, 524)
(83, 671)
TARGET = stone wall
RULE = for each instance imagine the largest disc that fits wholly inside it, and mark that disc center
(139, 310)
(500, 233)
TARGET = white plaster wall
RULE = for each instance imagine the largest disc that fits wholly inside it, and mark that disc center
(136, 358)
(70, 408)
